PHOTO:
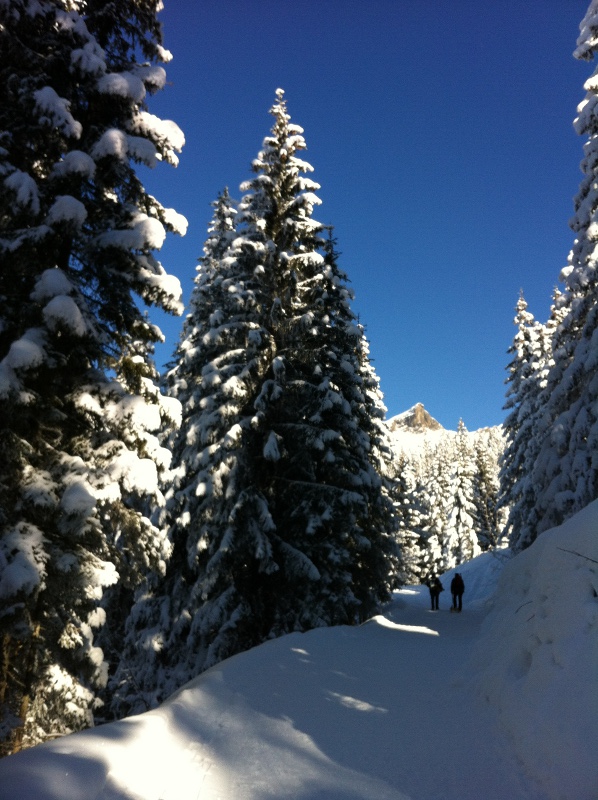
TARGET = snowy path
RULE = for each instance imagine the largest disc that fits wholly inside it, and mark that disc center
(448, 745)
(383, 711)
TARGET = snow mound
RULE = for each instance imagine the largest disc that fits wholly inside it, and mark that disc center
(480, 576)
(537, 656)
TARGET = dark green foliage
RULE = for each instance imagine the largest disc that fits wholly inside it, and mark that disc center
(77, 235)
(278, 513)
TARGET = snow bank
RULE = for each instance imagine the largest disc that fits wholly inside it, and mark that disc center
(480, 576)
(537, 657)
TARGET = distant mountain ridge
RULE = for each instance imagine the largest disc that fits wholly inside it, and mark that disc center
(415, 429)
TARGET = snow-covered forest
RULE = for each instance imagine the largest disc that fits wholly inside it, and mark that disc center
(154, 524)
(446, 489)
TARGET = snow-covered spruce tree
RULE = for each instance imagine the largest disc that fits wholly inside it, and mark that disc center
(527, 425)
(408, 516)
(356, 378)
(430, 555)
(79, 408)
(278, 515)
(521, 442)
(490, 517)
(426, 499)
(566, 469)
(437, 505)
(461, 542)
(214, 357)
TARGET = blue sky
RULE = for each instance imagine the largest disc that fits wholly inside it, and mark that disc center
(441, 134)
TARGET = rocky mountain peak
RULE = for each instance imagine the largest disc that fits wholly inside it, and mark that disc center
(416, 419)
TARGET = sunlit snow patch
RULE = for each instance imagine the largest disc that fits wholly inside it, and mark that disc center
(386, 623)
(356, 705)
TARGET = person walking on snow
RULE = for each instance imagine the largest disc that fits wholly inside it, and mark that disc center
(435, 587)
(457, 589)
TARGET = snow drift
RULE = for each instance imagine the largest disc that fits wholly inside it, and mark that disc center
(537, 656)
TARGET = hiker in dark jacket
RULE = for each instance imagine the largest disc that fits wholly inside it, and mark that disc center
(457, 589)
(435, 587)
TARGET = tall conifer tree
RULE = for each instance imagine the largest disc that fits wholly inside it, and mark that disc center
(565, 474)
(523, 398)
(408, 514)
(461, 542)
(490, 517)
(79, 407)
(279, 516)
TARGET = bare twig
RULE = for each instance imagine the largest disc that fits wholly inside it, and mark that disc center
(523, 604)
(581, 555)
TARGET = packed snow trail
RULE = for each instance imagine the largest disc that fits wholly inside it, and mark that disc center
(447, 743)
(384, 711)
